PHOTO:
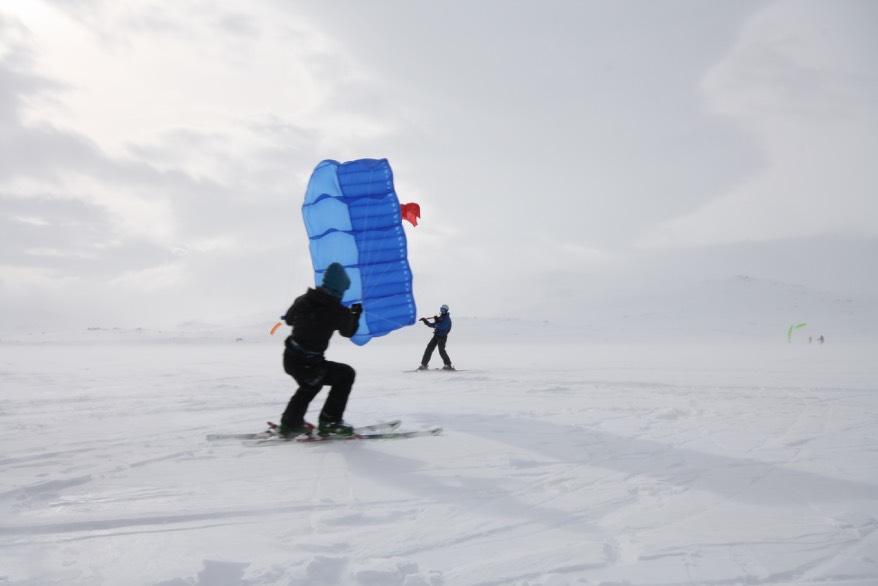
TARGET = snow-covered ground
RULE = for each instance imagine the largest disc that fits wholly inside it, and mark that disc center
(564, 460)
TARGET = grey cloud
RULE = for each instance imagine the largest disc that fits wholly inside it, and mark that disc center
(76, 240)
(592, 110)
(239, 24)
(47, 153)
(72, 237)
(75, 247)
(155, 20)
(258, 201)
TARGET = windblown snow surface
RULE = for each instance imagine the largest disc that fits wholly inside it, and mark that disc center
(564, 460)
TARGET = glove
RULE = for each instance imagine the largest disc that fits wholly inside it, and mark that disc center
(357, 308)
(423, 319)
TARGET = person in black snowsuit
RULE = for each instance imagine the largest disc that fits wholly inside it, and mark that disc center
(314, 317)
(441, 328)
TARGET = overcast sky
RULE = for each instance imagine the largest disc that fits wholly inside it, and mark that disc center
(154, 155)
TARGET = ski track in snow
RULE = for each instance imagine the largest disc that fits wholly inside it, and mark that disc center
(635, 464)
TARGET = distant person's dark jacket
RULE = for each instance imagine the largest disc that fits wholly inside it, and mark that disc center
(314, 317)
(441, 325)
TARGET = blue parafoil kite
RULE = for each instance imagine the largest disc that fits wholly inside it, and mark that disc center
(352, 216)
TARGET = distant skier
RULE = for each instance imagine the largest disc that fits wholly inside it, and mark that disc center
(441, 328)
(314, 317)
(821, 339)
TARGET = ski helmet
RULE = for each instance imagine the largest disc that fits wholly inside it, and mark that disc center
(444, 309)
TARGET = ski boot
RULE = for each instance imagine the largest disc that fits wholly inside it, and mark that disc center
(423, 367)
(336, 428)
(448, 367)
(288, 431)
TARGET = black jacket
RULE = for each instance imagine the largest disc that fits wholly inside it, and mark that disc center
(315, 315)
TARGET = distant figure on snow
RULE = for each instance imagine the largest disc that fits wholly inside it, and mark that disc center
(314, 317)
(441, 328)
(820, 339)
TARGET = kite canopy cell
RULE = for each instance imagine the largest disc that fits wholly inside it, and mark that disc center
(352, 216)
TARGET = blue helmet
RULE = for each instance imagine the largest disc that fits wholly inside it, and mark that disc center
(444, 309)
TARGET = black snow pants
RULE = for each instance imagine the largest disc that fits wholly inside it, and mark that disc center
(431, 345)
(312, 373)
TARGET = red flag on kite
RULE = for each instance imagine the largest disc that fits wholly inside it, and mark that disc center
(410, 212)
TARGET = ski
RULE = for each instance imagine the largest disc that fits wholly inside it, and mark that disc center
(271, 432)
(384, 425)
(373, 435)
(308, 439)
(362, 429)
